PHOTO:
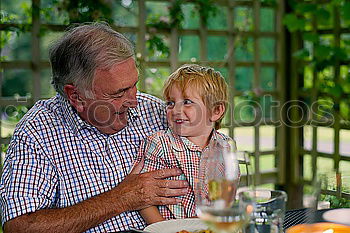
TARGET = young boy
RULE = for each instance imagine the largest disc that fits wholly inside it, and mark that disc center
(196, 99)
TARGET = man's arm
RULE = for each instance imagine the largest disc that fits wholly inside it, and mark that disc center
(137, 191)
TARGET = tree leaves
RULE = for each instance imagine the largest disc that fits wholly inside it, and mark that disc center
(312, 37)
(305, 7)
(302, 54)
(345, 9)
(294, 23)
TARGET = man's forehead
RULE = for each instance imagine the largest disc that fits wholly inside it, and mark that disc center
(121, 75)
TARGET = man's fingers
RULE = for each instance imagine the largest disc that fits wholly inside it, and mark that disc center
(166, 192)
(173, 184)
(165, 173)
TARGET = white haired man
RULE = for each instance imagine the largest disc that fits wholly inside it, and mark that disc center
(69, 166)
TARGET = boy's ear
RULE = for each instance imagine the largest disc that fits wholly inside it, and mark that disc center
(73, 97)
(217, 112)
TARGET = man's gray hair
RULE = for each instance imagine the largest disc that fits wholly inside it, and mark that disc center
(83, 49)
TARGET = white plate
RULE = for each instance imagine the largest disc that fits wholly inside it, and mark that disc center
(175, 225)
(341, 216)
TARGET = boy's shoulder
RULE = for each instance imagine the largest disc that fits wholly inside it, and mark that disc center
(164, 137)
(222, 136)
(160, 135)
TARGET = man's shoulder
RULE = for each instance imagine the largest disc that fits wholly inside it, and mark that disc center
(147, 99)
(151, 111)
(44, 112)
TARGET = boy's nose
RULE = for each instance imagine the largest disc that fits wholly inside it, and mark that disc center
(177, 108)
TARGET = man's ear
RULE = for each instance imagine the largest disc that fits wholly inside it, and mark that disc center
(73, 97)
(217, 112)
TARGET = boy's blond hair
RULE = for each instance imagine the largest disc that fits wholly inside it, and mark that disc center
(209, 83)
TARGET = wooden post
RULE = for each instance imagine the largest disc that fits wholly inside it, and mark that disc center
(141, 44)
(231, 68)
(281, 130)
(36, 50)
(256, 86)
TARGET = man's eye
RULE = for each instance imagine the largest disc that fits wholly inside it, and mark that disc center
(170, 104)
(187, 101)
(119, 95)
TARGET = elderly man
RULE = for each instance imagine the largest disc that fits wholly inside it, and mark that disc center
(69, 166)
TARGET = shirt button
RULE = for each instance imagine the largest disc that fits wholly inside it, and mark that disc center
(118, 167)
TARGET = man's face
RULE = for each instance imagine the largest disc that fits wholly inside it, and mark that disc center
(114, 93)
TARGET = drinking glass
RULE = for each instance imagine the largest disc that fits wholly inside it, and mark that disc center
(268, 210)
(216, 188)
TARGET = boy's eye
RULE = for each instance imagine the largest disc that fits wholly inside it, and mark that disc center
(170, 104)
(187, 101)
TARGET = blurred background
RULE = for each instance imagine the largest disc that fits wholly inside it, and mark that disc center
(286, 63)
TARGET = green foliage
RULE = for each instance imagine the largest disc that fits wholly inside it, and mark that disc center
(269, 2)
(51, 11)
(312, 37)
(157, 47)
(301, 54)
(6, 36)
(337, 202)
(86, 11)
(344, 10)
(294, 23)
(3, 148)
(206, 8)
(176, 14)
(14, 113)
(157, 21)
(322, 52)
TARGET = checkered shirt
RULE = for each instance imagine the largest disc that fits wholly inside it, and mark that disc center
(55, 159)
(164, 149)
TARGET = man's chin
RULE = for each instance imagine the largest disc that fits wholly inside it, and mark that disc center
(113, 127)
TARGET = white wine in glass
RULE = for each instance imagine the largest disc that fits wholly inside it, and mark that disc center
(216, 188)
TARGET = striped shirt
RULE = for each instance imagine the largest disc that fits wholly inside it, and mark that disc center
(164, 149)
(55, 159)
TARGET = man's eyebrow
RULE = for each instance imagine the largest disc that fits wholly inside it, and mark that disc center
(124, 89)
(120, 91)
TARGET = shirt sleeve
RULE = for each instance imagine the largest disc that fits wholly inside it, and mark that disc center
(153, 154)
(28, 182)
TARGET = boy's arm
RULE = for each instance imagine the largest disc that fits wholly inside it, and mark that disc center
(151, 215)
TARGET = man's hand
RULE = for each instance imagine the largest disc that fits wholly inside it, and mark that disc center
(138, 191)
(135, 192)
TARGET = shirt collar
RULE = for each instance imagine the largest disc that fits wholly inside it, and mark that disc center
(182, 143)
(71, 115)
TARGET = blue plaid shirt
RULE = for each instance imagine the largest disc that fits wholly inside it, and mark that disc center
(55, 159)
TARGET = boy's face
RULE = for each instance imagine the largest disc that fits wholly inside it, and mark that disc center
(187, 114)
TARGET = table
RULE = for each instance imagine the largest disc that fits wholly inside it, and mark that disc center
(293, 217)
(299, 216)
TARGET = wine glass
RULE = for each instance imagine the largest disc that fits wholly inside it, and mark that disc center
(216, 188)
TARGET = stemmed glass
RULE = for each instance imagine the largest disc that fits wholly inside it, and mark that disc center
(216, 188)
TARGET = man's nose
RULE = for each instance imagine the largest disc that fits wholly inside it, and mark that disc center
(131, 100)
